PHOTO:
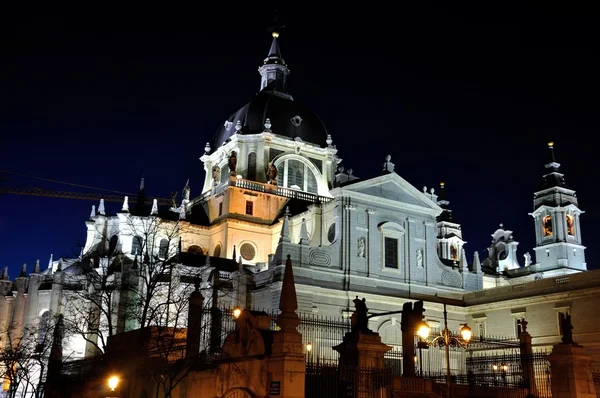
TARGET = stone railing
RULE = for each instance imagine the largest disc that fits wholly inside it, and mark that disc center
(281, 191)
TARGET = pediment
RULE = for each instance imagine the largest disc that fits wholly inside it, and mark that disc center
(394, 188)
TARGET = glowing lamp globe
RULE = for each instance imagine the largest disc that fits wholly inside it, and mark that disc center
(113, 382)
(309, 346)
(466, 333)
(423, 330)
(237, 311)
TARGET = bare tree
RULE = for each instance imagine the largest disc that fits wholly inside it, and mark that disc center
(23, 360)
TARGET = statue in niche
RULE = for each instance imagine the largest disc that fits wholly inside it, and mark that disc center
(420, 258)
(453, 253)
(527, 259)
(272, 174)
(567, 328)
(216, 175)
(361, 247)
(232, 162)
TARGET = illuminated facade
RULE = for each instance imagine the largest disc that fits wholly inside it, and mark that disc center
(273, 187)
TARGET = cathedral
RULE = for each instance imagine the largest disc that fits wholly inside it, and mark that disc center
(274, 188)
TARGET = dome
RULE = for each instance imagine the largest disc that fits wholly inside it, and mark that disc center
(288, 119)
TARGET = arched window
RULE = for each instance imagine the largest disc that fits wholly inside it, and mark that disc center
(136, 245)
(453, 253)
(112, 245)
(224, 173)
(297, 174)
(195, 249)
(547, 226)
(43, 329)
(251, 175)
(570, 225)
(217, 251)
(163, 249)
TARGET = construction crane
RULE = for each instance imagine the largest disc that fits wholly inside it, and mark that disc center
(73, 195)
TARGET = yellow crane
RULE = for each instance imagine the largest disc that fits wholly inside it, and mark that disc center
(73, 195)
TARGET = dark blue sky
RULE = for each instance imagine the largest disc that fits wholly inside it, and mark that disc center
(467, 96)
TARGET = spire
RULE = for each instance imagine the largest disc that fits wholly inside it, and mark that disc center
(442, 202)
(125, 207)
(23, 271)
(285, 229)
(554, 178)
(93, 213)
(288, 303)
(36, 267)
(234, 254)
(154, 211)
(101, 209)
(476, 262)
(303, 233)
(274, 71)
(186, 192)
(50, 262)
(141, 198)
(5, 274)
(463, 260)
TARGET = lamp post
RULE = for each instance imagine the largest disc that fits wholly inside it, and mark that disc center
(446, 339)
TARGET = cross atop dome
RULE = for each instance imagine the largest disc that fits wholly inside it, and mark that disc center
(274, 70)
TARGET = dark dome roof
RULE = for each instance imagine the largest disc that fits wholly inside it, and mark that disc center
(280, 109)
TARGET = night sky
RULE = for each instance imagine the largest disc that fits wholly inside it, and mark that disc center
(466, 96)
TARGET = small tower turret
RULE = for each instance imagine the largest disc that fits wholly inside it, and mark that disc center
(556, 215)
(449, 238)
(274, 71)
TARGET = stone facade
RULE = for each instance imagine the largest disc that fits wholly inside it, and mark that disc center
(270, 192)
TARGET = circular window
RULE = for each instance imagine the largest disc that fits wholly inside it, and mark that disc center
(247, 251)
(331, 233)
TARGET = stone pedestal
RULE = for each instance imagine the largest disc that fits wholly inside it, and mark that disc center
(362, 349)
(571, 372)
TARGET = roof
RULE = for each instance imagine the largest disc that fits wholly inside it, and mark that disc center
(288, 119)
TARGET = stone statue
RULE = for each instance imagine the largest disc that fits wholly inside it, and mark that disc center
(527, 259)
(232, 162)
(272, 174)
(360, 315)
(361, 245)
(420, 258)
(216, 175)
(567, 329)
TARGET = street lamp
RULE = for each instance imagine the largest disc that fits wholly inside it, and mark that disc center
(446, 339)
(237, 311)
(113, 382)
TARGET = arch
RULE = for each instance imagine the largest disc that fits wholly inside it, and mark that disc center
(163, 249)
(390, 332)
(195, 249)
(390, 226)
(547, 226)
(43, 328)
(570, 220)
(136, 245)
(251, 174)
(217, 250)
(112, 244)
(281, 162)
(238, 392)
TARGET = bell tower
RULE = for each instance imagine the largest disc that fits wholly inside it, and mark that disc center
(557, 230)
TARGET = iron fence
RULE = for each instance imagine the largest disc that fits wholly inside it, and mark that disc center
(596, 378)
(328, 380)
